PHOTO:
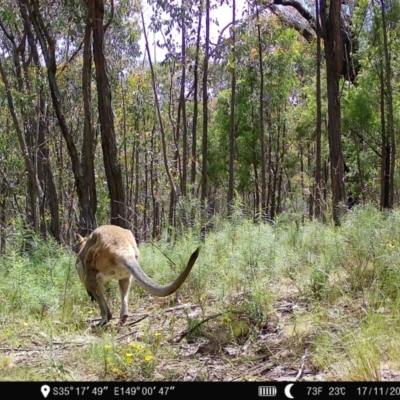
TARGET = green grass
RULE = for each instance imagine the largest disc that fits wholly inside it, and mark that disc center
(258, 295)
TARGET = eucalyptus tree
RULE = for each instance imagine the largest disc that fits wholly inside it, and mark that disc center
(301, 16)
(59, 48)
(145, 183)
(196, 73)
(270, 68)
(318, 129)
(96, 10)
(232, 134)
(12, 174)
(369, 120)
(173, 192)
(261, 111)
(21, 73)
(119, 59)
(64, 42)
(339, 48)
(330, 15)
(187, 57)
(204, 164)
(387, 114)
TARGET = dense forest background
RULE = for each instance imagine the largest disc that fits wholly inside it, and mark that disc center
(292, 111)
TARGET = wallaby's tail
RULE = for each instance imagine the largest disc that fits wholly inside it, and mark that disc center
(153, 287)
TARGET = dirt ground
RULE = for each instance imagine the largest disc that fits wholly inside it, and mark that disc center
(211, 352)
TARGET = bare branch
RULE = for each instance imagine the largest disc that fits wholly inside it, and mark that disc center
(74, 54)
(106, 26)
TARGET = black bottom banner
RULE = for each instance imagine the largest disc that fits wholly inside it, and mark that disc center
(186, 390)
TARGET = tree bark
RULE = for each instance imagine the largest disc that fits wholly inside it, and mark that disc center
(232, 133)
(108, 139)
(204, 167)
(182, 106)
(391, 154)
(318, 130)
(263, 151)
(195, 103)
(385, 160)
(331, 33)
(89, 139)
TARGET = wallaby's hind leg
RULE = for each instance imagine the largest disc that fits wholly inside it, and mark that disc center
(124, 287)
(105, 311)
(95, 287)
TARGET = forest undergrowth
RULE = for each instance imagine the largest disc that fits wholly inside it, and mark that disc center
(283, 301)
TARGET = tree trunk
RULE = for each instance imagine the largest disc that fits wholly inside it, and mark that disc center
(182, 104)
(264, 203)
(45, 169)
(331, 32)
(2, 218)
(89, 139)
(318, 133)
(232, 134)
(108, 139)
(390, 118)
(270, 168)
(156, 232)
(385, 160)
(195, 103)
(204, 167)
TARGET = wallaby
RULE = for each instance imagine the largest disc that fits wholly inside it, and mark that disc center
(111, 252)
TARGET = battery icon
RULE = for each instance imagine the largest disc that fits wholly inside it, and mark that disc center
(267, 391)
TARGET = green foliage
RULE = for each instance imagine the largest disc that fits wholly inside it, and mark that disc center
(283, 64)
(35, 283)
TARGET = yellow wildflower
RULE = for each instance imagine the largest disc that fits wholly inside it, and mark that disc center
(148, 357)
(136, 346)
(128, 358)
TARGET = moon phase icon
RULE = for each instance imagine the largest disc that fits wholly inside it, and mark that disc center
(287, 391)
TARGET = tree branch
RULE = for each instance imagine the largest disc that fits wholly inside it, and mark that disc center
(74, 54)
(299, 8)
(106, 26)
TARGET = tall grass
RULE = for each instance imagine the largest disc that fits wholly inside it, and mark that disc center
(332, 290)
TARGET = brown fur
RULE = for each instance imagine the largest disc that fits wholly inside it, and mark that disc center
(111, 252)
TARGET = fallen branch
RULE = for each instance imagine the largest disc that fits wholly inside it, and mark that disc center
(301, 369)
(198, 371)
(179, 307)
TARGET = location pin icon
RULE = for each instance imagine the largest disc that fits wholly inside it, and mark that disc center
(45, 389)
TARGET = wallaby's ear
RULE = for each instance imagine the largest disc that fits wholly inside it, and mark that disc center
(79, 242)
